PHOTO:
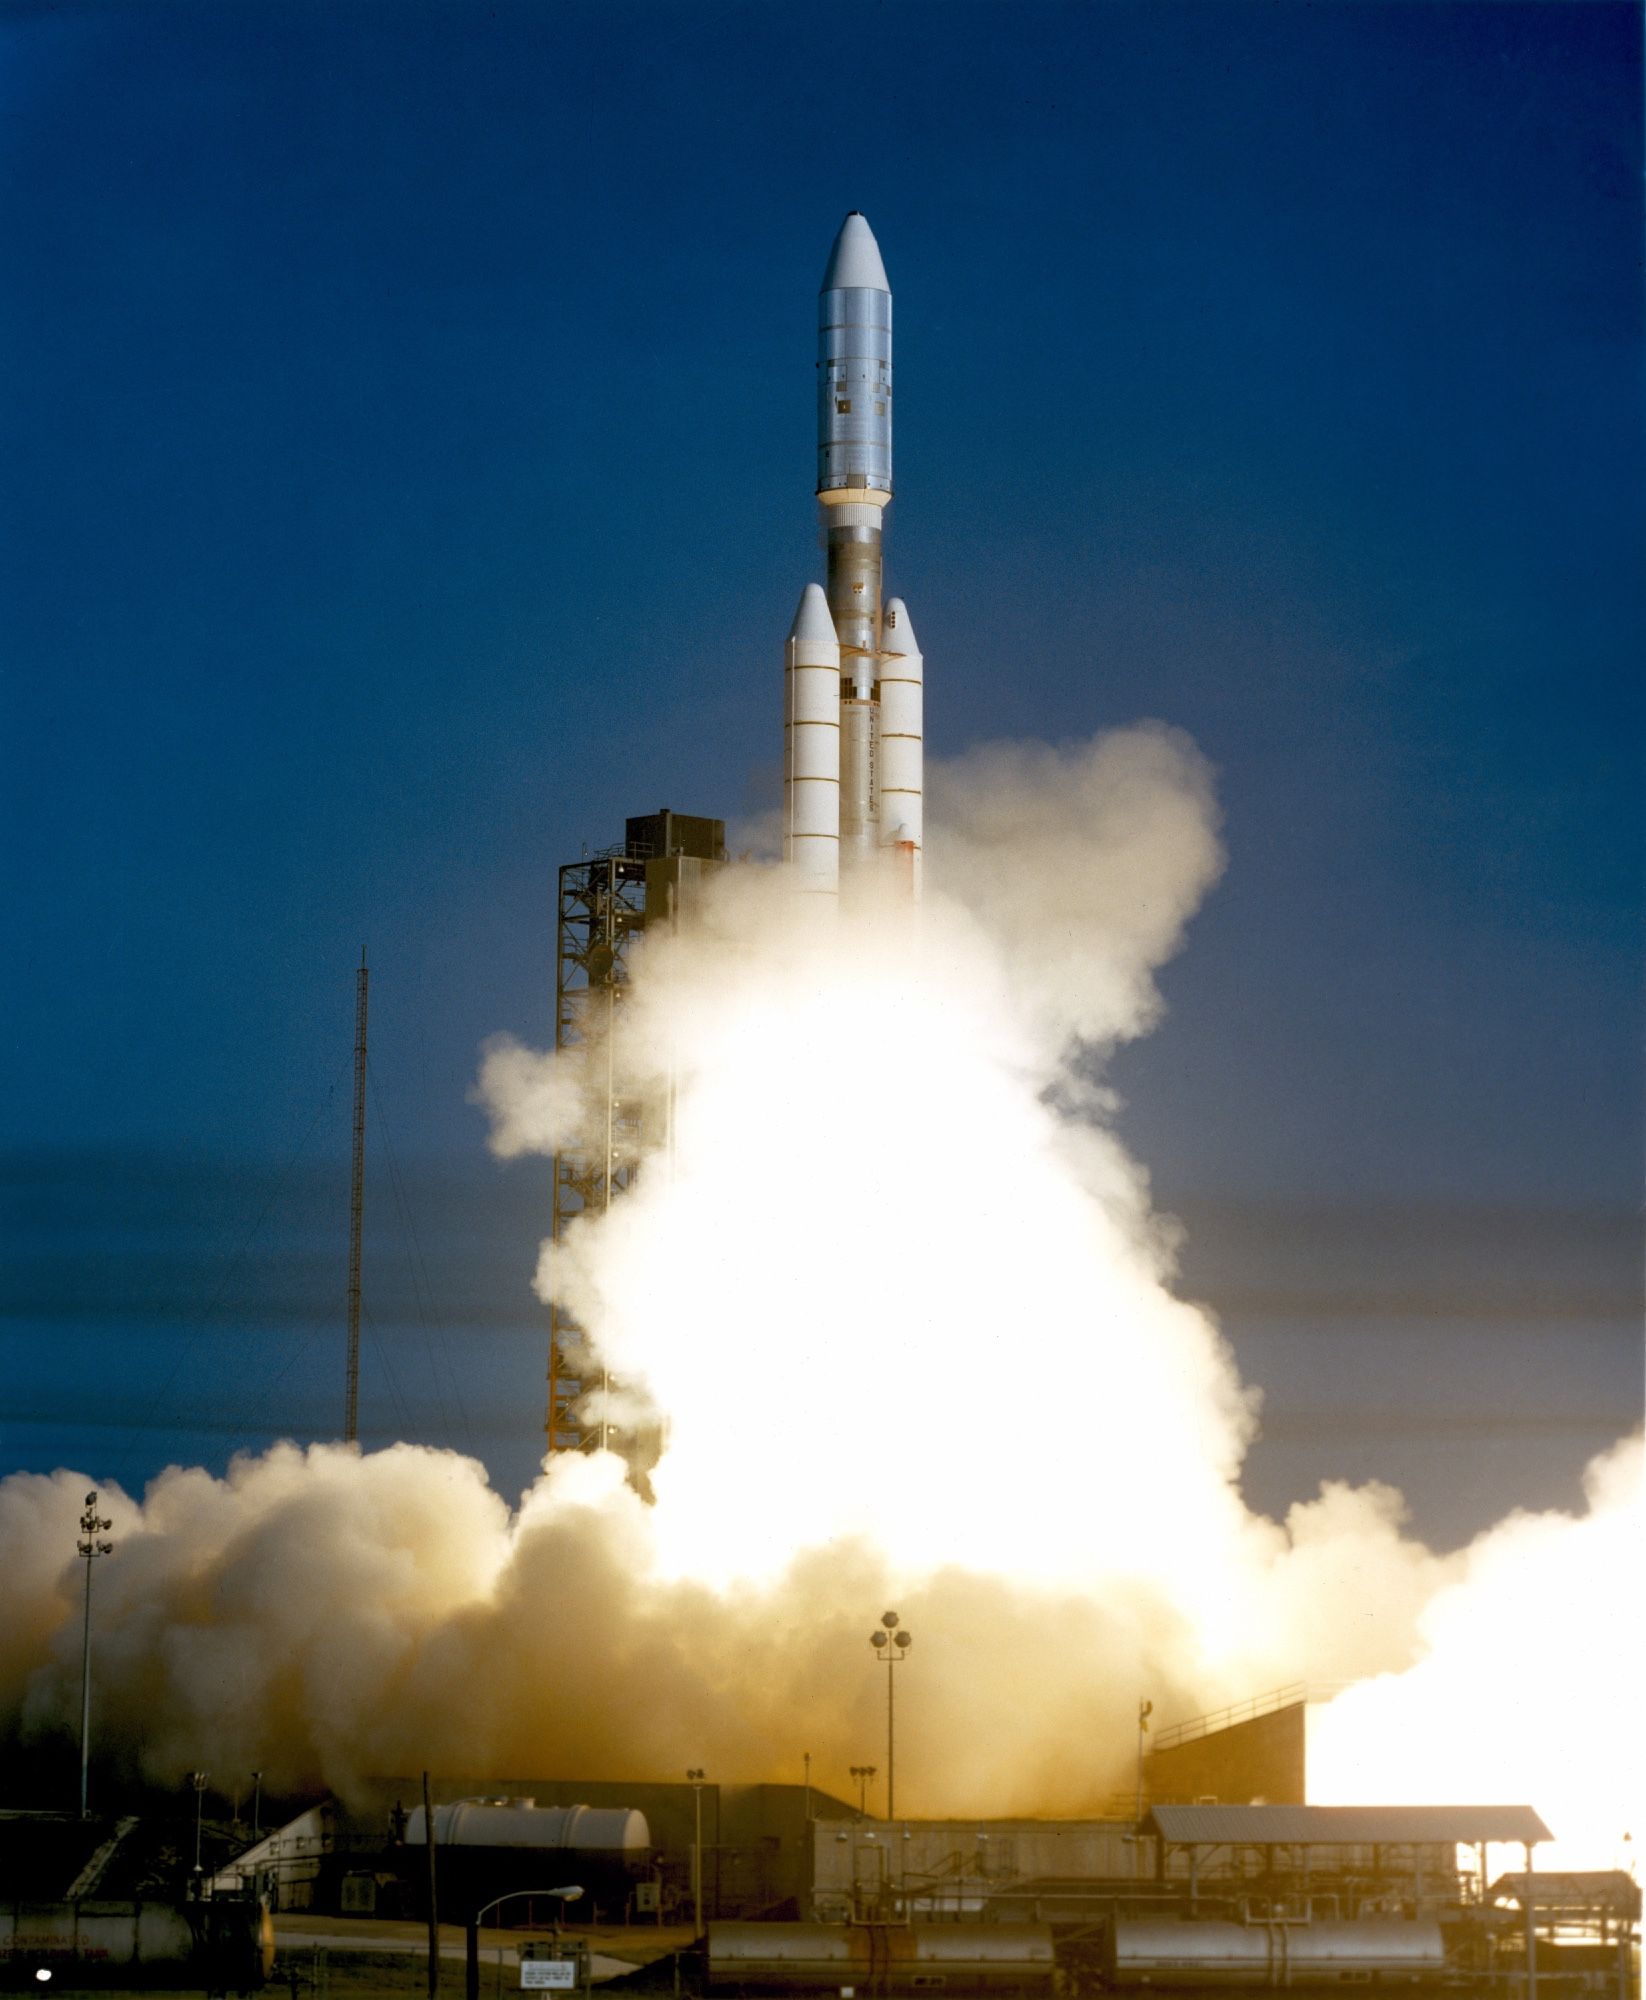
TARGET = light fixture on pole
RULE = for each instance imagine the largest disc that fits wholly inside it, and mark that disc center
(694, 1778)
(91, 1546)
(471, 1942)
(256, 1805)
(891, 1642)
(198, 1780)
(862, 1773)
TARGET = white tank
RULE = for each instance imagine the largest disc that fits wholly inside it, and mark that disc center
(617, 1832)
(881, 1959)
(1160, 1951)
(216, 1943)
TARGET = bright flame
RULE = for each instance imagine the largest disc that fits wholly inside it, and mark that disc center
(881, 1269)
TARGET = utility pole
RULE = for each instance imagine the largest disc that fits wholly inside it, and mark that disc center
(91, 1546)
(357, 1204)
(434, 1905)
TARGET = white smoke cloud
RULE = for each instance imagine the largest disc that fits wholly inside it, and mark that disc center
(534, 1104)
(901, 1295)
(1531, 1658)
(1083, 864)
(876, 1257)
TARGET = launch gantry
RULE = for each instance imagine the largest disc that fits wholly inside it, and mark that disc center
(605, 902)
(601, 909)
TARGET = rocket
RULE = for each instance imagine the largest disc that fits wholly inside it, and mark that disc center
(853, 751)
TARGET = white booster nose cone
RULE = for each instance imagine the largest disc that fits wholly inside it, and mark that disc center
(812, 624)
(899, 631)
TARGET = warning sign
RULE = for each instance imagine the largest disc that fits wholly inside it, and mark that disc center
(558, 1975)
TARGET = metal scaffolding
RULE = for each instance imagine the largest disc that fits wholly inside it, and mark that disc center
(602, 909)
(606, 900)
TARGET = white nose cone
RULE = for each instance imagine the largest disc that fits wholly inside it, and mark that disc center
(854, 262)
(812, 624)
(897, 633)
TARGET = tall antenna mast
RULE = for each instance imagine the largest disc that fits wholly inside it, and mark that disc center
(357, 1204)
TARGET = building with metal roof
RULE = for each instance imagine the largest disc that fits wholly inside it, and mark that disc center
(1344, 1826)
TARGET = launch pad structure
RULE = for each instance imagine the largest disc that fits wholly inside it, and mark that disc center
(605, 902)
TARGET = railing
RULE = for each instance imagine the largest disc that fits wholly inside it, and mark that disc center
(1246, 1711)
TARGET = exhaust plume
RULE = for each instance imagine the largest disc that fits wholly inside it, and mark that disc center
(903, 1300)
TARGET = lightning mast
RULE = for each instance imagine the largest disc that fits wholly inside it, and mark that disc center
(357, 1204)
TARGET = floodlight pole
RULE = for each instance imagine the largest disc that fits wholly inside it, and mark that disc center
(91, 1546)
(891, 1642)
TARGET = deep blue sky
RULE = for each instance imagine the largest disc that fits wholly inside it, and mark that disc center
(407, 464)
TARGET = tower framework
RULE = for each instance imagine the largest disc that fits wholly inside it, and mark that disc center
(357, 1200)
(601, 910)
(606, 901)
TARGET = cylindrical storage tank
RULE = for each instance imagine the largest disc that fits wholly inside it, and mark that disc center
(616, 1833)
(900, 766)
(967, 1958)
(811, 747)
(223, 1945)
(787, 1958)
(1185, 1953)
(880, 1959)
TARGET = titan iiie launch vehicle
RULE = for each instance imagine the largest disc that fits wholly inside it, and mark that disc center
(853, 754)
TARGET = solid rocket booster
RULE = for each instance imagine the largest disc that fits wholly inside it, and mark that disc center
(900, 765)
(878, 669)
(811, 747)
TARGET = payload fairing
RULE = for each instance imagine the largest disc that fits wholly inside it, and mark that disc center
(853, 754)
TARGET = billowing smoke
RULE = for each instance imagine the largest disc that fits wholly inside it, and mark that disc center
(902, 1299)
(1529, 1664)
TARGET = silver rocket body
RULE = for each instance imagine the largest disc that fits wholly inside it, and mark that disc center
(876, 826)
